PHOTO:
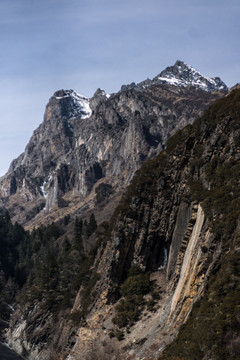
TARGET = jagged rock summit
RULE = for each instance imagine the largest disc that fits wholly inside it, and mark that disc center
(181, 74)
(85, 143)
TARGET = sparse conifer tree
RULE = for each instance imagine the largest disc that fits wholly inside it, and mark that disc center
(78, 242)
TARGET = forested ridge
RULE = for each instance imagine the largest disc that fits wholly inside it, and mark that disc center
(46, 265)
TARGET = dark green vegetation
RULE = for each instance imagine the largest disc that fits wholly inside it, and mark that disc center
(10, 277)
(129, 308)
(47, 266)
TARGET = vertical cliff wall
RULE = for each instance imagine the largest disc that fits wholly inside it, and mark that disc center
(175, 204)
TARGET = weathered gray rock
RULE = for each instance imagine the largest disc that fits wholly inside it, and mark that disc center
(162, 226)
(83, 141)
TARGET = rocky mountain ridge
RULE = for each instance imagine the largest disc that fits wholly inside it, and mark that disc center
(181, 74)
(176, 209)
(89, 149)
(170, 249)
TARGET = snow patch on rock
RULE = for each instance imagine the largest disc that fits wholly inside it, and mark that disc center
(80, 103)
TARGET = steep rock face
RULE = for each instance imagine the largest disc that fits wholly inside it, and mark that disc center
(161, 226)
(84, 142)
(177, 220)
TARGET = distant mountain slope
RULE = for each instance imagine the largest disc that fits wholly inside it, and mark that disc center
(87, 150)
(167, 262)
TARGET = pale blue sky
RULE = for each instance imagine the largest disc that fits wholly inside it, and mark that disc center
(85, 44)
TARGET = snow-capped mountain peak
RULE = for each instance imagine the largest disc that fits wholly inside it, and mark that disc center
(181, 74)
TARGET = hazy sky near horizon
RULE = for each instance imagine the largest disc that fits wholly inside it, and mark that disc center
(86, 44)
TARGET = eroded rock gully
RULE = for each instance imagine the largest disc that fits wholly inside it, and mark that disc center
(178, 292)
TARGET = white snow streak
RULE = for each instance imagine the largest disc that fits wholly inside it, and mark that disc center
(80, 102)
